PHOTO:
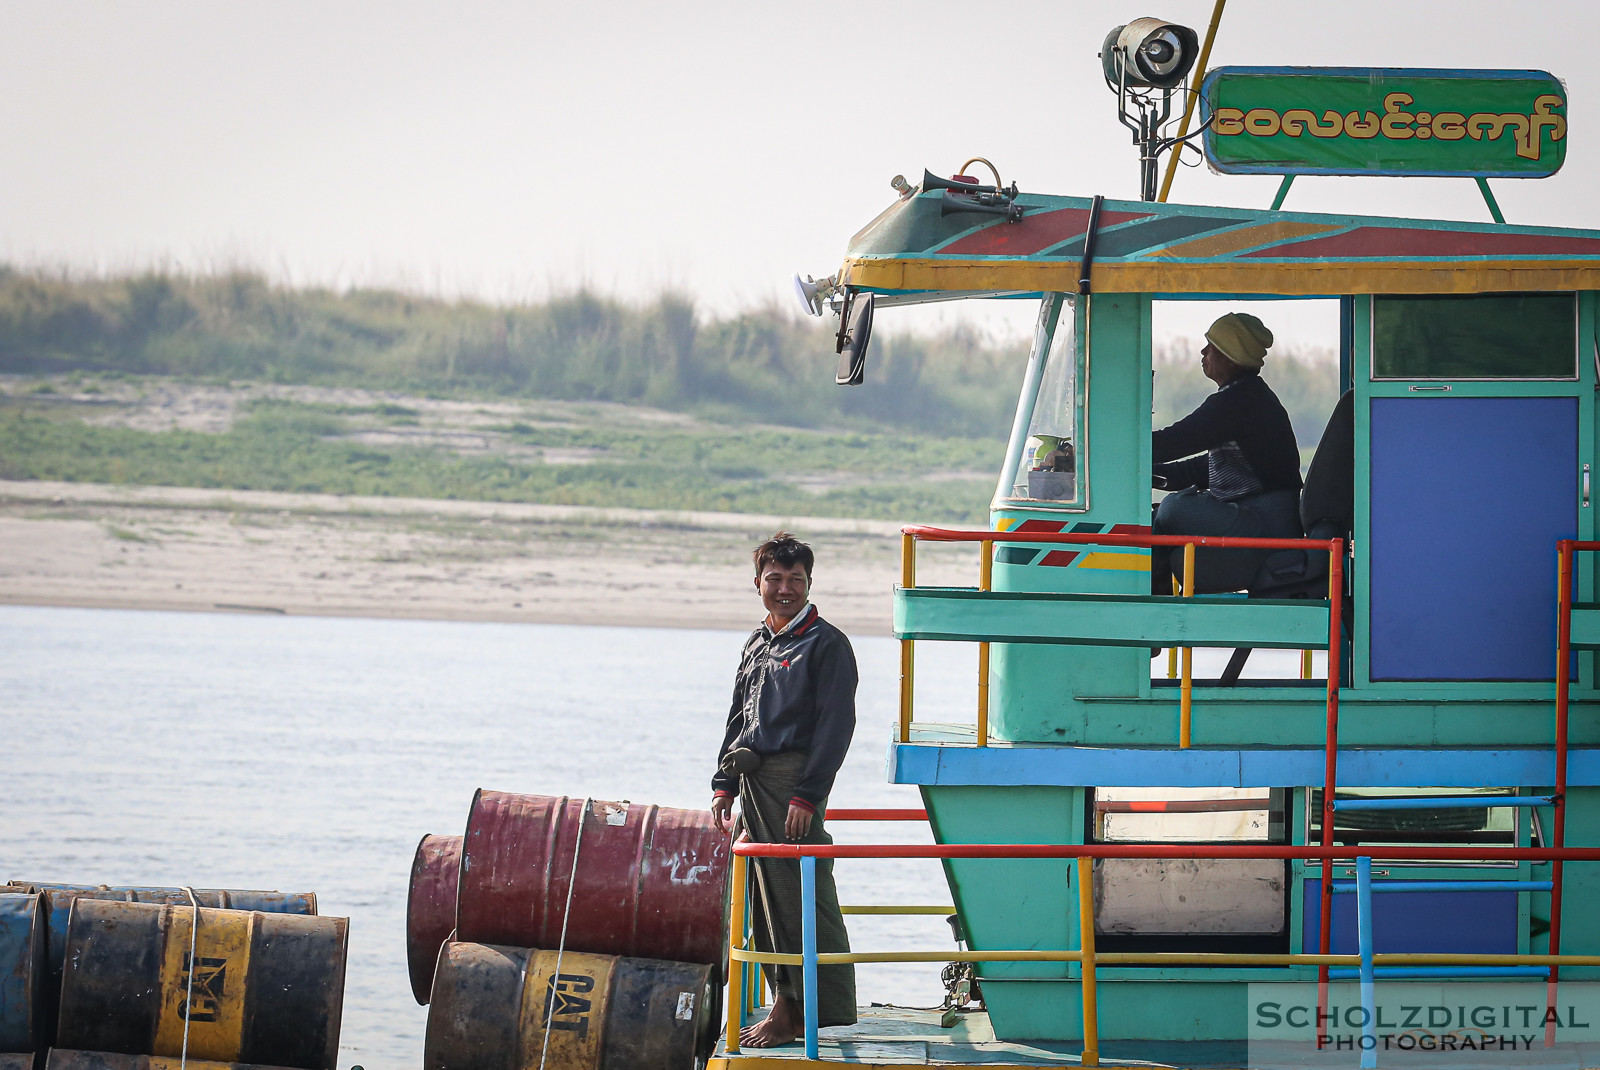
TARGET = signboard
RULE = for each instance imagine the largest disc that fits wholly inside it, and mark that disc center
(1384, 121)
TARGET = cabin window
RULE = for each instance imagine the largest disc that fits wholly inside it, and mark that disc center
(1188, 815)
(1479, 336)
(1047, 468)
(1190, 904)
(1481, 824)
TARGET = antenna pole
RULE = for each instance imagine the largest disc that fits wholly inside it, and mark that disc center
(1188, 108)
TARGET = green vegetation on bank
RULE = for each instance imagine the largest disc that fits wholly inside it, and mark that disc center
(761, 365)
(765, 428)
(286, 446)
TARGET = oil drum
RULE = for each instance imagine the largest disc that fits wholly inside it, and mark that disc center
(259, 988)
(506, 1008)
(22, 972)
(58, 900)
(16, 1060)
(64, 1059)
(431, 907)
(650, 882)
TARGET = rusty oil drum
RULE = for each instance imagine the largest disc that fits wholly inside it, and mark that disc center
(651, 882)
(22, 972)
(64, 1059)
(58, 900)
(506, 1008)
(265, 988)
(16, 1060)
(431, 907)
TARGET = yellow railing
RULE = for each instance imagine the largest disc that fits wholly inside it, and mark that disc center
(1180, 659)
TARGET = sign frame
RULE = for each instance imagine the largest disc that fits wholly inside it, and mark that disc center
(1552, 121)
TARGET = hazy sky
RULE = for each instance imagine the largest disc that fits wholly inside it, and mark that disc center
(508, 149)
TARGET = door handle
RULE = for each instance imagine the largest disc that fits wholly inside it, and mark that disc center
(1586, 486)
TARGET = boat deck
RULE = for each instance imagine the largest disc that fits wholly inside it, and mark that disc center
(889, 1036)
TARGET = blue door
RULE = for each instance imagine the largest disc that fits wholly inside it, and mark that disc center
(1468, 498)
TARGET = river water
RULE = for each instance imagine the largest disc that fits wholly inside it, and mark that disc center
(311, 753)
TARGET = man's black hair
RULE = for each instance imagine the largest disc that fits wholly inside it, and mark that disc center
(786, 550)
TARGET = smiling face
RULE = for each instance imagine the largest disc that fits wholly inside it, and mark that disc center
(783, 590)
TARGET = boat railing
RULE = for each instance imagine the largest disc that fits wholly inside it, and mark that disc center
(1366, 965)
(1120, 619)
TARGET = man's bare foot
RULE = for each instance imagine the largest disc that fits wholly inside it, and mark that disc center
(782, 1025)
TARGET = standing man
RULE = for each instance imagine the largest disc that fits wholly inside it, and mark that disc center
(793, 713)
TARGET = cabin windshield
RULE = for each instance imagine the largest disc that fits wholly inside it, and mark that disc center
(1045, 468)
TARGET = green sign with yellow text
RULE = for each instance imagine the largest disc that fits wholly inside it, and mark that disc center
(1384, 121)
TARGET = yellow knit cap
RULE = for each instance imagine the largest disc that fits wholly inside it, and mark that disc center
(1242, 338)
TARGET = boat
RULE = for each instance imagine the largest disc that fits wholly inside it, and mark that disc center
(1149, 867)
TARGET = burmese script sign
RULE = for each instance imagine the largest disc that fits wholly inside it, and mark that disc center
(1384, 121)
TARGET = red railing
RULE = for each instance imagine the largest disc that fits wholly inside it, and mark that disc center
(1335, 551)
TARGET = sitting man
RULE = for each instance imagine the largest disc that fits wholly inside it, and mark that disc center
(1232, 464)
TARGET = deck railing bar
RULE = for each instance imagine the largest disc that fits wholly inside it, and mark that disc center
(874, 815)
(1446, 886)
(1312, 852)
(1448, 802)
(888, 908)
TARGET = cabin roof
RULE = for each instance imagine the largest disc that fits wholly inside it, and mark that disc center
(1176, 249)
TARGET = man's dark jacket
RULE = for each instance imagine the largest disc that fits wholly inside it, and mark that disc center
(796, 691)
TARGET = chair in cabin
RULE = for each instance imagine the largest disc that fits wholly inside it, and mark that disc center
(1327, 511)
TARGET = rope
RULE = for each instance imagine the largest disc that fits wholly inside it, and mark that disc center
(188, 995)
(555, 978)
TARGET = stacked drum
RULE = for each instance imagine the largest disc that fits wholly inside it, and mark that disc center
(576, 934)
(127, 977)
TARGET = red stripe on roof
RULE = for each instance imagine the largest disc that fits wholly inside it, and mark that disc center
(1051, 526)
(1130, 529)
(1405, 241)
(1037, 231)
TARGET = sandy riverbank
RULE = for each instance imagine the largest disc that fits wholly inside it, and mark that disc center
(78, 544)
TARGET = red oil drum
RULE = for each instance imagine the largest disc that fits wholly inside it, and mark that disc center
(650, 882)
(509, 1008)
(260, 988)
(431, 907)
(22, 972)
(63, 1059)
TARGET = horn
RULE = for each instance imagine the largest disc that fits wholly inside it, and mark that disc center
(812, 293)
(931, 181)
(954, 203)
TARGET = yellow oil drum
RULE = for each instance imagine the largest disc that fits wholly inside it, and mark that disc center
(259, 988)
(508, 1008)
(63, 1059)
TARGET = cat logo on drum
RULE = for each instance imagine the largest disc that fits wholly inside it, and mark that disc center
(204, 990)
(566, 1005)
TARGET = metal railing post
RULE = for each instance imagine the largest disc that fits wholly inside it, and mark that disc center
(1563, 687)
(1091, 1011)
(908, 579)
(808, 950)
(1369, 996)
(1172, 651)
(985, 583)
(735, 935)
(1330, 771)
(1186, 694)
